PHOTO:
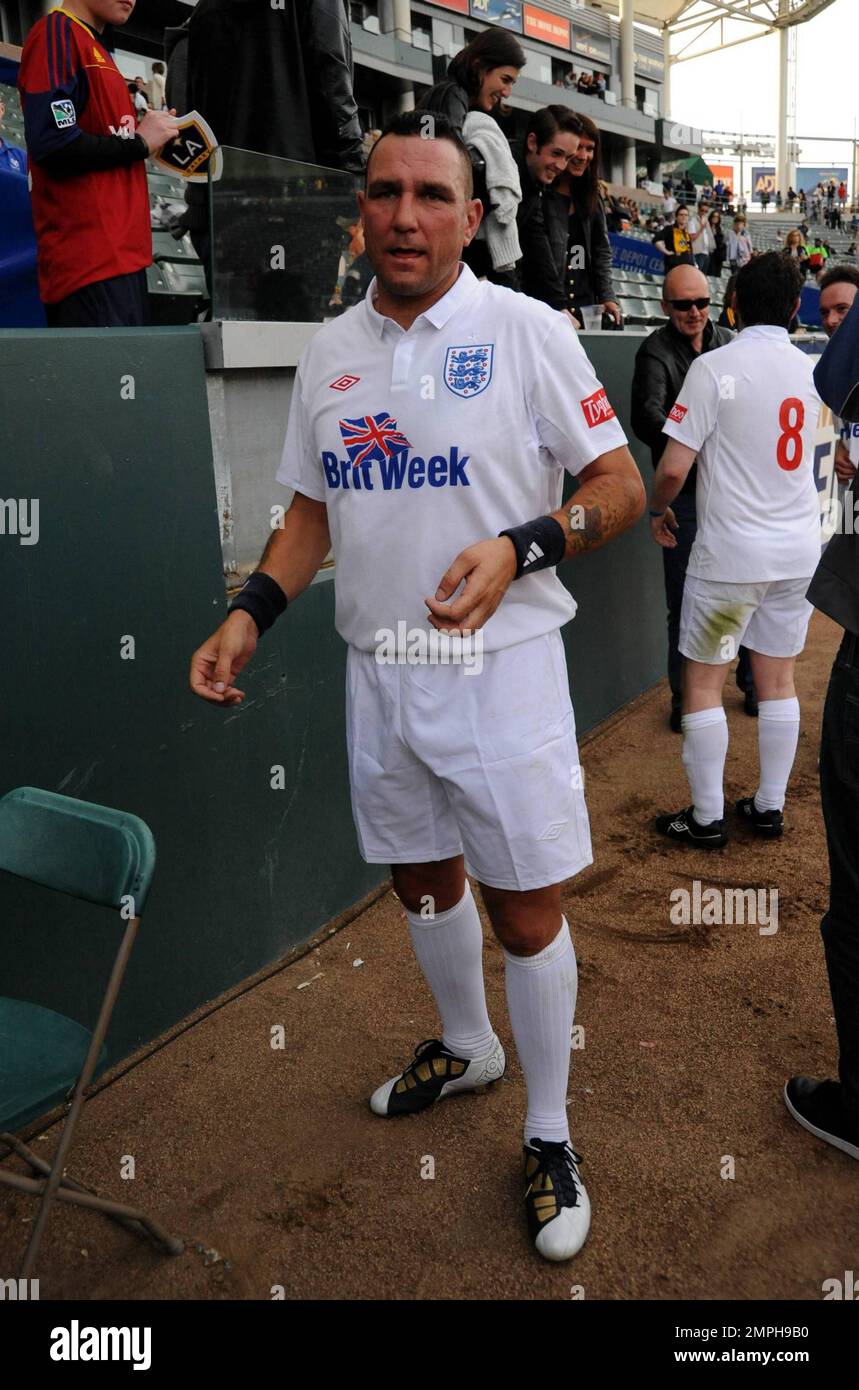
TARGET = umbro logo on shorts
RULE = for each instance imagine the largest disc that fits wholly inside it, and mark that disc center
(677, 412)
(553, 831)
(343, 383)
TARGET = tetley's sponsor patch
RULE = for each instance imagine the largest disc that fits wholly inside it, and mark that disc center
(468, 369)
(597, 408)
(380, 457)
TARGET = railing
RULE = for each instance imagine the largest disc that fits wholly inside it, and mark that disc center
(286, 245)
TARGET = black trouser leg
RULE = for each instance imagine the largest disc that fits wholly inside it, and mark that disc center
(674, 564)
(839, 791)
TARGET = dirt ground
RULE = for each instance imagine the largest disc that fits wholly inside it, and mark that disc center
(271, 1160)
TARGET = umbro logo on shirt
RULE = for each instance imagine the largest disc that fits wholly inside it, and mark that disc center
(343, 383)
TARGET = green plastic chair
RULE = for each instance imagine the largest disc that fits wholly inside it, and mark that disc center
(98, 855)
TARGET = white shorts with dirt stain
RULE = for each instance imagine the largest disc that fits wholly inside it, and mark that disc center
(718, 618)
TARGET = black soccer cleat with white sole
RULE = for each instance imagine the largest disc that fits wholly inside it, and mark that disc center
(770, 824)
(556, 1203)
(819, 1108)
(683, 827)
(435, 1074)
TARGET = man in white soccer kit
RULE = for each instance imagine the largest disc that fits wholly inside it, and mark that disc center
(427, 424)
(748, 411)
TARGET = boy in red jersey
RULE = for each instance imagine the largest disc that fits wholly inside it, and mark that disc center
(89, 193)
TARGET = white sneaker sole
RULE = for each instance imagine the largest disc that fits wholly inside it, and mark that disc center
(843, 1144)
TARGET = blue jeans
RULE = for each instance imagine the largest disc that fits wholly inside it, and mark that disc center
(839, 795)
(675, 563)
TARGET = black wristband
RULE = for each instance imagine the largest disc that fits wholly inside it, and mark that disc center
(263, 598)
(539, 544)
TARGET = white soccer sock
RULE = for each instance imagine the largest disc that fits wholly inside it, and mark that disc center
(541, 1000)
(778, 735)
(705, 746)
(449, 950)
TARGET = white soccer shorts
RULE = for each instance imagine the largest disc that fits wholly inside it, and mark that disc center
(443, 762)
(718, 618)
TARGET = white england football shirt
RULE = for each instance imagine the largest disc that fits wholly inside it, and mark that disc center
(421, 443)
(750, 411)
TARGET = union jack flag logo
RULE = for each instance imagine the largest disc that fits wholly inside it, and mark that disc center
(372, 438)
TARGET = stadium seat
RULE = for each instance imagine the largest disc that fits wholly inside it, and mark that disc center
(97, 855)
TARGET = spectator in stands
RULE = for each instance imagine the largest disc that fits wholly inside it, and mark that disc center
(89, 192)
(818, 255)
(584, 84)
(588, 247)
(139, 97)
(803, 229)
(12, 159)
(739, 244)
(765, 199)
(842, 193)
(495, 249)
(791, 198)
(803, 204)
(551, 139)
(851, 249)
(674, 241)
(661, 364)
(669, 204)
(479, 78)
(728, 316)
(599, 82)
(157, 85)
(794, 247)
(778, 200)
(289, 91)
(688, 188)
(701, 234)
(720, 245)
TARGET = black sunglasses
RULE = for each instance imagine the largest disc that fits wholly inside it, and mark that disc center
(686, 304)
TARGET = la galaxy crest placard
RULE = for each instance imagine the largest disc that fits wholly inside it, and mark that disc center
(195, 152)
(468, 369)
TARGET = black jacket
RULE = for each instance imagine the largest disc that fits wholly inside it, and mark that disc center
(661, 364)
(278, 81)
(541, 218)
(597, 252)
(835, 586)
(449, 99)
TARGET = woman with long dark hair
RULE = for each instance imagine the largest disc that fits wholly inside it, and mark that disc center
(589, 249)
(719, 255)
(479, 79)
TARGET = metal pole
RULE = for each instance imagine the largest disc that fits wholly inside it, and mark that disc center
(627, 83)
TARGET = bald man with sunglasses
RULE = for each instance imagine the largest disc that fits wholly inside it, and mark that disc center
(661, 365)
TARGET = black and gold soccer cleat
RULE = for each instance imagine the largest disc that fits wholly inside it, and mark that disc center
(434, 1074)
(557, 1205)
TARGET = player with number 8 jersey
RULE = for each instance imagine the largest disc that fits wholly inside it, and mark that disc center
(748, 412)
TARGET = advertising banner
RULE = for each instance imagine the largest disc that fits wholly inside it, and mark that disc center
(539, 24)
(589, 45)
(632, 253)
(649, 65)
(461, 6)
(507, 13)
(763, 180)
(810, 175)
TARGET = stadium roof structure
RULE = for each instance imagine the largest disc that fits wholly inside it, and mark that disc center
(685, 16)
